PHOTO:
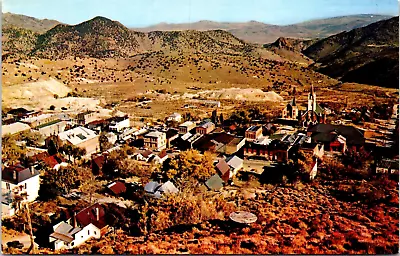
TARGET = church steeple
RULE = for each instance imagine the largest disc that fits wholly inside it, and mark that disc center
(312, 100)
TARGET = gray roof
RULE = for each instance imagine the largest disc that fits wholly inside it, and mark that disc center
(168, 187)
(21, 174)
(152, 187)
(234, 162)
(215, 182)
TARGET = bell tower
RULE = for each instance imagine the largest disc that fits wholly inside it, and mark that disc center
(312, 100)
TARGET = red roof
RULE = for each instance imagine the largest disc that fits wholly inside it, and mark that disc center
(232, 127)
(88, 215)
(50, 161)
(147, 153)
(40, 156)
(117, 187)
(222, 167)
(99, 161)
(162, 154)
(96, 122)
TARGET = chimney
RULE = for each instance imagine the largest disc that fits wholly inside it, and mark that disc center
(97, 214)
(14, 175)
(74, 220)
(32, 170)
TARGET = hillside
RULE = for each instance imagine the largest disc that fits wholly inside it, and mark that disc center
(17, 41)
(364, 55)
(291, 49)
(103, 38)
(258, 32)
(26, 22)
(98, 37)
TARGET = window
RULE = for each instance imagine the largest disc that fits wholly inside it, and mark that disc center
(8, 186)
(95, 232)
(25, 185)
(72, 244)
(88, 232)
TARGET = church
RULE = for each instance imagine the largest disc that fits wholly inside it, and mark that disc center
(313, 114)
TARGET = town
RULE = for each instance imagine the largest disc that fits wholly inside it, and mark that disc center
(91, 169)
(200, 127)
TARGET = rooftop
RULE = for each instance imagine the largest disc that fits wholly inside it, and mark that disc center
(77, 135)
(14, 128)
(17, 173)
(186, 124)
(253, 128)
(37, 118)
(155, 134)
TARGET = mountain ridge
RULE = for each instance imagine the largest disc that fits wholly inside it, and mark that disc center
(259, 32)
(365, 55)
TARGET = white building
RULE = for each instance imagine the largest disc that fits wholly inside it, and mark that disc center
(81, 137)
(51, 128)
(18, 179)
(14, 128)
(175, 117)
(155, 140)
(235, 164)
(186, 127)
(88, 223)
(119, 123)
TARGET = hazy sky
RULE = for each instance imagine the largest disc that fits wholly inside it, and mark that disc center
(138, 13)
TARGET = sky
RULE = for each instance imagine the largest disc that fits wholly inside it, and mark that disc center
(141, 13)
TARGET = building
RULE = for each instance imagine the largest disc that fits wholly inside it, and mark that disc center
(253, 133)
(337, 137)
(175, 117)
(155, 140)
(234, 145)
(40, 120)
(116, 188)
(21, 178)
(81, 137)
(219, 142)
(214, 183)
(235, 164)
(159, 158)
(223, 170)
(205, 127)
(88, 223)
(171, 135)
(86, 117)
(17, 179)
(314, 169)
(387, 166)
(52, 128)
(291, 111)
(117, 123)
(276, 150)
(314, 113)
(14, 128)
(97, 164)
(186, 127)
(156, 189)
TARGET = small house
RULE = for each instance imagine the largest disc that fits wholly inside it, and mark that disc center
(214, 183)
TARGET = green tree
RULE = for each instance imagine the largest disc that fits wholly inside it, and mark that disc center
(63, 180)
(31, 138)
(189, 164)
(104, 143)
(11, 152)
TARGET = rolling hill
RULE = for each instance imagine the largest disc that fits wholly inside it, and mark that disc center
(101, 37)
(367, 55)
(27, 22)
(258, 32)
